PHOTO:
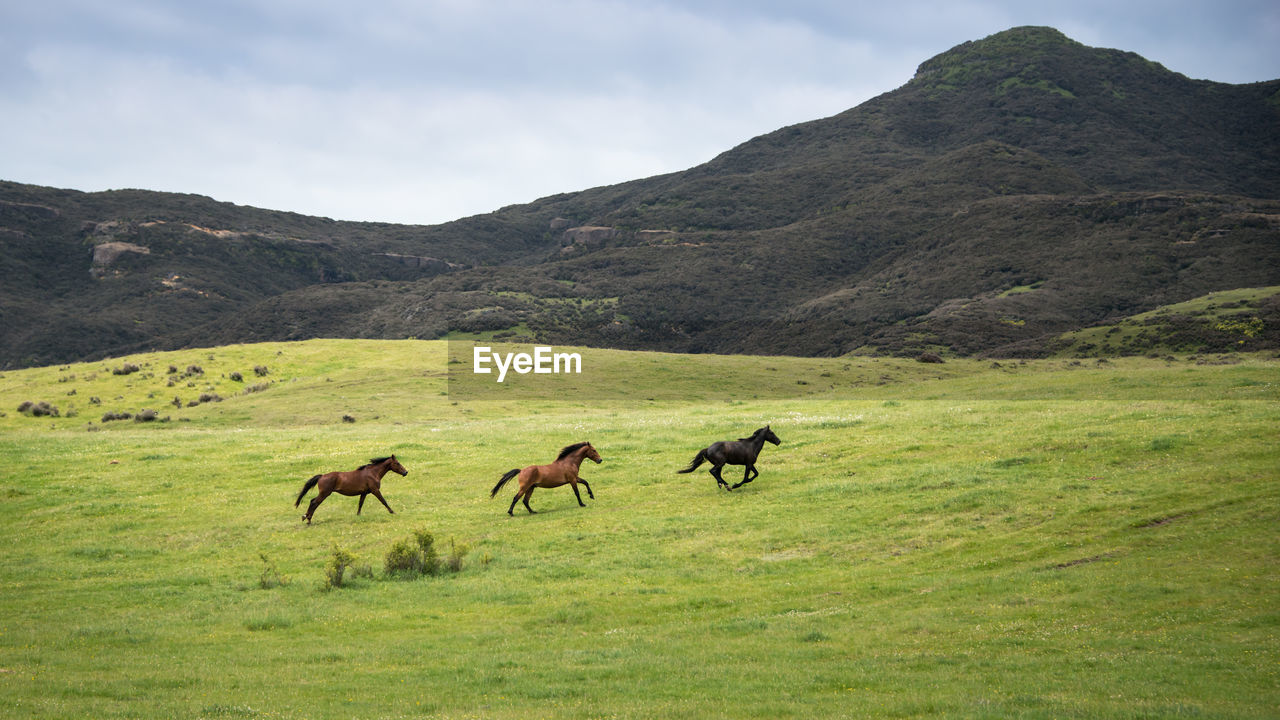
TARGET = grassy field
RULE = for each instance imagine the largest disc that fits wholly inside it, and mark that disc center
(1049, 539)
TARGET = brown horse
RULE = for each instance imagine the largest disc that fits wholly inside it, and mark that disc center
(363, 481)
(563, 471)
(744, 451)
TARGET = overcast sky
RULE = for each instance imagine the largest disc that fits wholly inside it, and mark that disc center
(427, 111)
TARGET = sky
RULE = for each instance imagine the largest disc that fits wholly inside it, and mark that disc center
(425, 111)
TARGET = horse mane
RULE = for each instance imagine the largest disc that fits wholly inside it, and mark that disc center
(568, 450)
(374, 461)
(754, 435)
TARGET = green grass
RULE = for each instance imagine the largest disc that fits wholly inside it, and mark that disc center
(1230, 317)
(1033, 540)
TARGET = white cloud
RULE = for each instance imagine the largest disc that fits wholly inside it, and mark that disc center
(428, 111)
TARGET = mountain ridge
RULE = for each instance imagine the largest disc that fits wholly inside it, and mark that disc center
(1019, 159)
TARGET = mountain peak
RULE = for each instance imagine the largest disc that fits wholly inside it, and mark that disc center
(995, 55)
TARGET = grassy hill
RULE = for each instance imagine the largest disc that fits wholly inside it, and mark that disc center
(1106, 182)
(1044, 538)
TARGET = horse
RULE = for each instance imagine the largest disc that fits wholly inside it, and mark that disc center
(561, 472)
(743, 451)
(363, 481)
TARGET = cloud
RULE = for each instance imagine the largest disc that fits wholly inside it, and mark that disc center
(424, 119)
(428, 111)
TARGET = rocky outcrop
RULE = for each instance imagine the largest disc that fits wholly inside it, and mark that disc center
(109, 252)
(588, 235)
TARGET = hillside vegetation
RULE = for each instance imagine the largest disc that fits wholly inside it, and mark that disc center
(1014, 539)
(1105, 182)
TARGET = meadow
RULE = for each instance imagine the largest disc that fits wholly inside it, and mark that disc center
(1041, 539)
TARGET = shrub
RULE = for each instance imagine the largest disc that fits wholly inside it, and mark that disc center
(457, 551)
(109, 416)
(126, 369)
(173, 369)
(337, 568)
(236, 376)
(258, 387)
(270, 577)
(210, 397)
(38, 409)
(426, 545)
(409, 559)
(403, 560)
(145, 415)
(260, 370)
(414, 557)
(195, 370)
(348, 419)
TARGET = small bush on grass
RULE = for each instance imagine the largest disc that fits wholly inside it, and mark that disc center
(409, 559)
(457, 551)
(126, 369)
(414, 558)
(38, 409)
(335, 573)
(403, 561)
(270, 576)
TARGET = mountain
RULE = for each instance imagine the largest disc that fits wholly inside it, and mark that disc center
(1017, 188)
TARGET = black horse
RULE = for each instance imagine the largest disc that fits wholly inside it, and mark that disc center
(743, 451)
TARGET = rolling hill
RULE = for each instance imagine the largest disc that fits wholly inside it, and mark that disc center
(1017, 188)
(1032, 539)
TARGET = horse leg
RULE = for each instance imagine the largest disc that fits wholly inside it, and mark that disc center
(378, 495)
(360, 505)
(527, 493)
(747, 475)
(514, 498)
(588, 487)
(715, 473)
(576, 494)
(315, 503)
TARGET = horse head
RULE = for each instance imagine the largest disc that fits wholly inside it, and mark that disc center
(768, 435)
(395, 466)
(591, 453)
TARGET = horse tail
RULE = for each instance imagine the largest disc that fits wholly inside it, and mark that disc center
(306, 488)
(702, 456)
(510, 474)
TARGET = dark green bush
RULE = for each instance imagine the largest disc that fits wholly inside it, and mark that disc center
(403, 561)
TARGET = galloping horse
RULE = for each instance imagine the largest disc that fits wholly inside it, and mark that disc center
(563, 471)
(364, 480)
(744, 451)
